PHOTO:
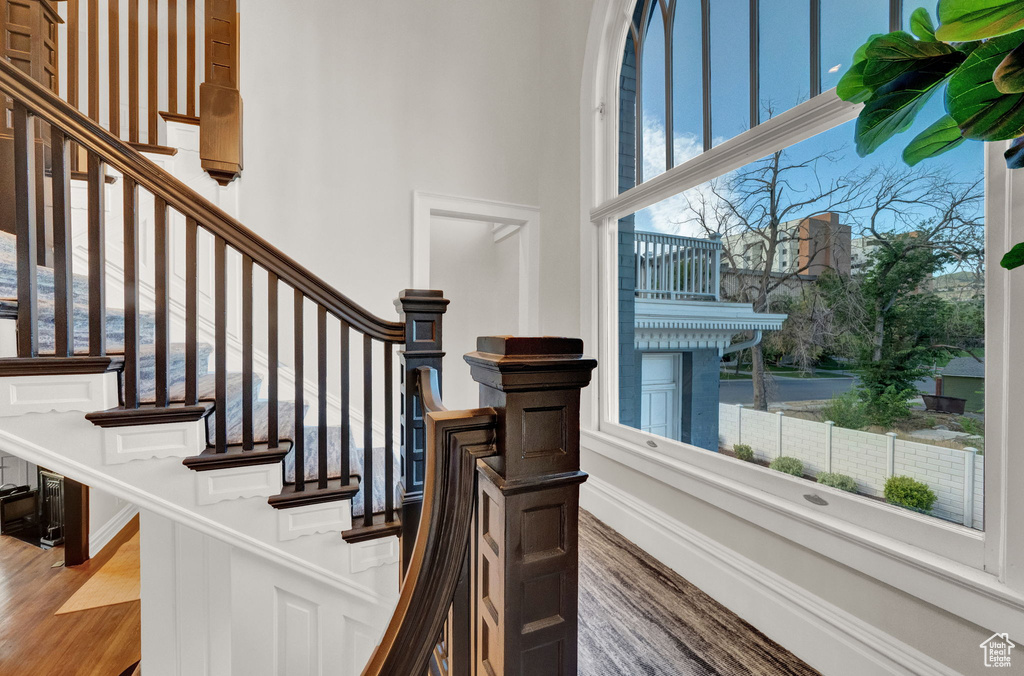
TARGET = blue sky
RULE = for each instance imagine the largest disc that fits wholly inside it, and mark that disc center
(784, 82)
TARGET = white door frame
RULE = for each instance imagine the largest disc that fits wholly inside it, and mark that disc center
(506, 220)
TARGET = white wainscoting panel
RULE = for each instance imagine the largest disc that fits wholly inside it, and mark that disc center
(169, 440)
(298, 635)
(57, 394)
(238, 482)
(329, 517)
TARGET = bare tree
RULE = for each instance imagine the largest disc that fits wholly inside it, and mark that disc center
(752, 209)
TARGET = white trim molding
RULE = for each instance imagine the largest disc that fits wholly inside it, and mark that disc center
(826, 637)
(164, 440)
(506, 220)
(235, 483)
(80, 393)
(327, 517)
(105, 533)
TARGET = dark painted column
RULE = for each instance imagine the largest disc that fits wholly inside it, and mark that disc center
(421, 310)
(527, 569)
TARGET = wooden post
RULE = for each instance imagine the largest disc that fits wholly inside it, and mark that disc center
(526, 575)
(421, 311)
(220, 103)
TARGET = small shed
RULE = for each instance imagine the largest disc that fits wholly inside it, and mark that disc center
(964, 377)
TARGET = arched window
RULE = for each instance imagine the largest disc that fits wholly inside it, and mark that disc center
(734, 204)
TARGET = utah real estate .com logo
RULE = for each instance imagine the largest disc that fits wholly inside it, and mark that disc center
(997, 650)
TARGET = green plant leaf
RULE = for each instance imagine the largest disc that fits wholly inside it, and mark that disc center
(921, 25)
(1009, 75)
(1014, 258)
(892, 55)
(938, 138)
(892, 108)
(851, 86)
(981, 110)
(1015, 154)
(965, 20)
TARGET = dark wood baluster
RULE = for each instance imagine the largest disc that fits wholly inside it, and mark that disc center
(133, 71)
(220, 300)
(114, 64)
(300, 455)
(97, 260)
(346, 429)
(172, 56)
(247, 383)
(161, 244)
(152, 46)
(389, 442)
(63, 294)
(40, 150)
(72, 58)
(93, 55)
(131, 292)
(367, 431)
(191, 312)
(273, 440)
(321, 340)
(190, 58)
(25, 220)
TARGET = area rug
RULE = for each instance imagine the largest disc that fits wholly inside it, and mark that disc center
(117, 581)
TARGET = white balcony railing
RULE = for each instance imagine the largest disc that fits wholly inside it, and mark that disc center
(677, 268)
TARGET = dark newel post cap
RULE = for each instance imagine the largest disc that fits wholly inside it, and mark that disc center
(513, 363)
(421, 300)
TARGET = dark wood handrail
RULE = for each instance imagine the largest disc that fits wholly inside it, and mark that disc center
(121, 156)
(455, 441)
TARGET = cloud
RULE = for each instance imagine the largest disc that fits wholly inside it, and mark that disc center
(671, 215)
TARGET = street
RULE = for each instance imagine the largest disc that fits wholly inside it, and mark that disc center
(785, 389)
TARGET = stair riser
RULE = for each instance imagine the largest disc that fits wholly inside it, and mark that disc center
(83, 393)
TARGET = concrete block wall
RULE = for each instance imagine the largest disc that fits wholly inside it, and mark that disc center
(861, 455)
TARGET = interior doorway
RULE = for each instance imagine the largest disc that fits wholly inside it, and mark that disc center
(485, 257)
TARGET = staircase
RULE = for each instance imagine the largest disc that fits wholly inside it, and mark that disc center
(250, 412)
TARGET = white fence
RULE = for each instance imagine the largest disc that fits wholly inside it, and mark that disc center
(956, 476)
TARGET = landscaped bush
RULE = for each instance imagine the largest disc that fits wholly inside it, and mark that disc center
(888, 406)
(840, 481)
(788, 465)
(909, 493)
(743, 452)
(847, 411)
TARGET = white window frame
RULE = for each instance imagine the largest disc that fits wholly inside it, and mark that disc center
(977, 575)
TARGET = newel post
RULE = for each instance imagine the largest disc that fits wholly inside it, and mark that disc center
(421, 311)
(526, 572)
(220, 103)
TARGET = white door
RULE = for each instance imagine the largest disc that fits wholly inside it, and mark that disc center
(660, 401)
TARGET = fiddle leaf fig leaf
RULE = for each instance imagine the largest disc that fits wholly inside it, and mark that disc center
(979, 108)
(893, 107)
(892, 55)
(851, 86)
(966, 20)
(941, 136)
(921, 25)
(1014, 258)
(1015, 154)
(1009, 75)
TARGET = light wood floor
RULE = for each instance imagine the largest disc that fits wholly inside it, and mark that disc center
(35, 642)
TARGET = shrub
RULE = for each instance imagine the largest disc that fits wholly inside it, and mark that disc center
(973, 427)
(909, 493)
(743, 452)
(847, 411)
(840, 481)
(888, 406)
(788, 465)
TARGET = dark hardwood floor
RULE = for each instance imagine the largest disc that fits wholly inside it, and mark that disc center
(34, 642)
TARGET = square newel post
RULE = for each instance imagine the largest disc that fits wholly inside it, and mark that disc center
(526, 575)
(421, 311)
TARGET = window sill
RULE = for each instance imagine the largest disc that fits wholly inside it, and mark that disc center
(935, 561)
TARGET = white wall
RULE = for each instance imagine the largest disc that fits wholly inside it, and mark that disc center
(108, 514)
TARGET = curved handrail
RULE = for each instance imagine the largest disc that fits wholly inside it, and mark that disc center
(121, 156)
(455, 440)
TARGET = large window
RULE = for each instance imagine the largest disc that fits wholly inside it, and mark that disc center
(799, 302)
